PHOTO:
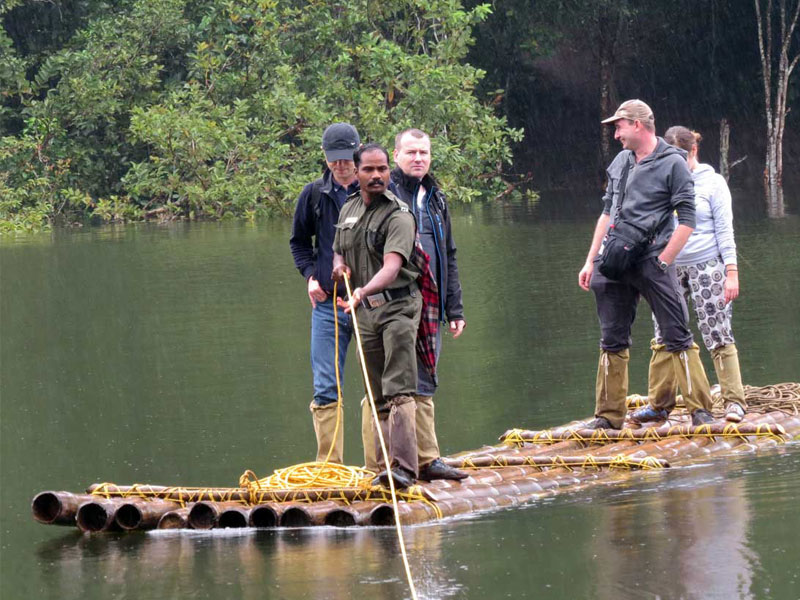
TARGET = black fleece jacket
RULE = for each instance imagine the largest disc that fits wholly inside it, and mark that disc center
(406, 188)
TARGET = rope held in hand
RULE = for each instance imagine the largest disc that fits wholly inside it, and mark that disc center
(380, 438)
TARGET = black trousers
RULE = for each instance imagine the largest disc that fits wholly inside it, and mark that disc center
(617, 301)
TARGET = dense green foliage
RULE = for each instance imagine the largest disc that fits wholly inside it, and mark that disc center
(126, 109)
(214, 108)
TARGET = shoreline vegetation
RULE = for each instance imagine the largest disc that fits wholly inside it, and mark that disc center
(159, 110)
(179, 109)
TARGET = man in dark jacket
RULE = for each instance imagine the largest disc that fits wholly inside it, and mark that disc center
(315, 216)
(413, 183)
(647, 181)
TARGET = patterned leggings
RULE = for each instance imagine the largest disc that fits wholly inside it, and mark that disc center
(704, 283)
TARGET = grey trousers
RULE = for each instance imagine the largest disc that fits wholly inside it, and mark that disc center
(617, 301)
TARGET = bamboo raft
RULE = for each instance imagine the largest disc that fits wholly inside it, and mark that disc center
(524, 466)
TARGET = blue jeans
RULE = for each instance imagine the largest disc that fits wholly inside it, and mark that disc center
(323, 347)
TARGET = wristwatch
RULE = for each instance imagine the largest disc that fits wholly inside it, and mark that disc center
(662, 264)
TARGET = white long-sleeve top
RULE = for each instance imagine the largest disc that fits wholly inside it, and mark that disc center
(713, 232)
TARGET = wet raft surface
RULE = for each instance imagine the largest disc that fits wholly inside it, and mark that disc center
(525, 465)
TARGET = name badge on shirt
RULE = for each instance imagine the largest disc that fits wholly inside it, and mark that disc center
(350, 220)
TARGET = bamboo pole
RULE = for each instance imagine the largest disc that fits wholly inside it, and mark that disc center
(353, 515)
(265, 516)
(142, 514)
(604, 435)
(175, 519)
(490, 461)
(240, 495)
(57, 508)
(307, 515)
(205, 514)
(235, 517)
(98, 515)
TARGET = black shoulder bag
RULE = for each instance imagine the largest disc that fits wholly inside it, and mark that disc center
(625, 242)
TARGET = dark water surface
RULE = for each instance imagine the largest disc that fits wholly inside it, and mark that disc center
(178, 355)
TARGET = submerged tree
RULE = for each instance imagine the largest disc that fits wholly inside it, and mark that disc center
(776, 68)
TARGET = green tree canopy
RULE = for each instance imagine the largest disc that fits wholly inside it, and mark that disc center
(211, 108)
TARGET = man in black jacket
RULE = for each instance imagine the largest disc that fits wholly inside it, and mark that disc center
(315, 216)
(413, 183)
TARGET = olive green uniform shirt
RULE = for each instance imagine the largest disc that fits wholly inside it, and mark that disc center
(360, 230)
(388, 332)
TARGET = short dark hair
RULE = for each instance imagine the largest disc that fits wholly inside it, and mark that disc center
(369, 148)
(413, 132)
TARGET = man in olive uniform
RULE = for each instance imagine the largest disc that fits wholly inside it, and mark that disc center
(373, 245)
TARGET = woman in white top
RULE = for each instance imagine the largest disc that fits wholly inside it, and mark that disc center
(708, 274)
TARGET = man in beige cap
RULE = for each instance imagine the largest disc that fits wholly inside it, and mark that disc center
(647, 182)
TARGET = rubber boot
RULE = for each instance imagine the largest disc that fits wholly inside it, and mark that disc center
(427, 445)
(726, 364)
(611, 388)
(662, 384)
(368, 437)
(692, 379)
(398, 426)
(325, 429)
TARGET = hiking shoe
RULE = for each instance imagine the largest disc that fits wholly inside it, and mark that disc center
(646, 414)
(701, 417)
(734, 412)
(402, 479)
(599, 423)
(437, 469)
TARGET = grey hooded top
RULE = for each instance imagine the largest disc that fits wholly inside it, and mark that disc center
(657, 185)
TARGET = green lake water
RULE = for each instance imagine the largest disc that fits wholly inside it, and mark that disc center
(178, 354)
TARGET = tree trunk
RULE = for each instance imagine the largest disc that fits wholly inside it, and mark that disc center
(776, 87)
(608, 24)
(724, 148)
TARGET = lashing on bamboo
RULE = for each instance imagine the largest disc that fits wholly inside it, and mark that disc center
(526, 465)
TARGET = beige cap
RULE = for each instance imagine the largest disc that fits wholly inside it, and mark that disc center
(633, 110)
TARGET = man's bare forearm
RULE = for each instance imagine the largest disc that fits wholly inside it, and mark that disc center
(599, 232)
(386, 276)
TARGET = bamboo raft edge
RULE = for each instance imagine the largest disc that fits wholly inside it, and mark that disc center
(526, 465)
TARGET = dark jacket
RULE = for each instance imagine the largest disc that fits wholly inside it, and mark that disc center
(311, 242)
(658, 185)
(406, 189)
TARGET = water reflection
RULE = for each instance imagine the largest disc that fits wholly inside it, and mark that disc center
(194, 367)
(327, 563)
(689, 538)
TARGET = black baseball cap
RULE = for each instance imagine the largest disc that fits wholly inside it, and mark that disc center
(339, 142)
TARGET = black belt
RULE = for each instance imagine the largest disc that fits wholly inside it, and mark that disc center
(381, 298)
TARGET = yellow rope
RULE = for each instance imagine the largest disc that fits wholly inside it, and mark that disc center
(181, 495)
(516, 437)
(382, 442)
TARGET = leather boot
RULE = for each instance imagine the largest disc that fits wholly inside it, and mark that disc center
(368, 437)
(398, 426)
(438, 469)
(427, 445)
(611, 388)
(325, 429)
(726, 364)
(692, 379)
(662, 384)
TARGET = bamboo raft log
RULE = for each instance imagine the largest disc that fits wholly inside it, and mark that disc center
(525, 465)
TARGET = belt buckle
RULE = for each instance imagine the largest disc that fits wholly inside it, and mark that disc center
(376, 300)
